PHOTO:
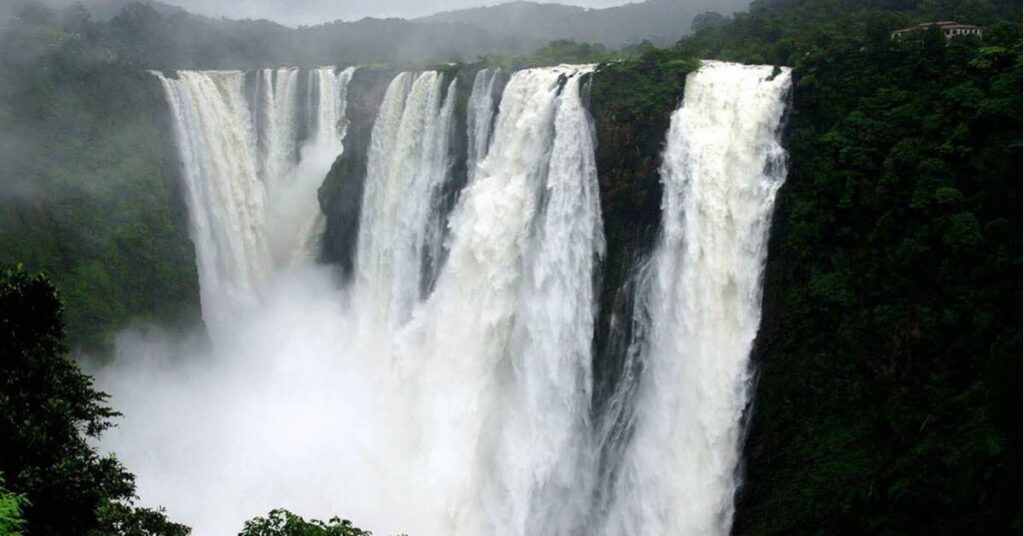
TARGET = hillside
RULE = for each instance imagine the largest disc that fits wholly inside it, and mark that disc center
(162, 36)
(662, 22)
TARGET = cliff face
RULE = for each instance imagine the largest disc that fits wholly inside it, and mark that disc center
(341, 193)
(632, 104)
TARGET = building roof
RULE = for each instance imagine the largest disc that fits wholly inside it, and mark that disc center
(945, 25)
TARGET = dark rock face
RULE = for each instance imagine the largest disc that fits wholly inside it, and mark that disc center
(630, 138)
(341, 193)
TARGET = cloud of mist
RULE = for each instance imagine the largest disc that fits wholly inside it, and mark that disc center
(296, 12)
(286, 408)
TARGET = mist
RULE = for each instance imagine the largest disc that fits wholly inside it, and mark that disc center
(308, 12)
(287, 408)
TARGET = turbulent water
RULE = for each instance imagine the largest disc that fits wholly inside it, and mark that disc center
(480, 117)
(251, 194)
(447, 388)
(723, 164)
(407, 167)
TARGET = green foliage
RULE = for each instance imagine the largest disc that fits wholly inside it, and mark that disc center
(89, 183)
(284, 523)
(49, 411)
(567, 51)
(708, 21)
(11, 506)
(644, 88)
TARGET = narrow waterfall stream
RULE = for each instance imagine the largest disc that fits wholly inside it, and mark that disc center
(723, 164)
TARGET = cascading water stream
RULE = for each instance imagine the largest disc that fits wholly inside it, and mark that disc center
(507, 328)
(226, 198)
(408, 164)
(550, 350)
(723, 164)
(252, 200)
(300, 221)
(276, 122)
(480, 117)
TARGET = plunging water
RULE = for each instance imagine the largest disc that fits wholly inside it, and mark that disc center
(447, 389)
(723, 164)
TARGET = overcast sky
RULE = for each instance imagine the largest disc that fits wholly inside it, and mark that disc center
(295, 12)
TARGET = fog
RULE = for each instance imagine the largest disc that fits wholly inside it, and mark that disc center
(295, 12)
(280, 412)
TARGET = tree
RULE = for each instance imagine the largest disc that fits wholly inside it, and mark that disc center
(11, 505)
(284, 523)
(48, 412)
(707, 20)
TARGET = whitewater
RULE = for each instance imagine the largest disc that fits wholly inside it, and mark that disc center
(446, 387)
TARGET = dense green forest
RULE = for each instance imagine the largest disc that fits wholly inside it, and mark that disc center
(888, 397)
(888, 366)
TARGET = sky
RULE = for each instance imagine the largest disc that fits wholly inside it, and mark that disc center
(295, 12)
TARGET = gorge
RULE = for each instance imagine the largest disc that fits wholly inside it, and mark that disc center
(452, 372)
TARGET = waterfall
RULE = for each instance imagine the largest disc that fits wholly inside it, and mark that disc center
(226, 198)
(548, 396)
(301, 221)
(507, 328)
(480, 117)
(331, 89)
(276, 124)
(723, 164)
(407, 166)
(251, 193)
(448, 387)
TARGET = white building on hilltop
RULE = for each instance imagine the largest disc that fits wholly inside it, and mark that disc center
(949, 29)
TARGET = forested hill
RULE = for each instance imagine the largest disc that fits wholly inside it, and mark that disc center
(662, 22)
(157, 35)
